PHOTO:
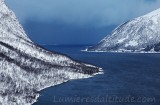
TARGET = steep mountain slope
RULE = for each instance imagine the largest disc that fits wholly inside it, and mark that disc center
(26, 68)
(142, 34)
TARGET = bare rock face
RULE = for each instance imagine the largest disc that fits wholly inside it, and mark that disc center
(26, 68)
(141, 34)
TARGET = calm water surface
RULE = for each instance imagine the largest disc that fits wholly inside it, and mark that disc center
(128, 79)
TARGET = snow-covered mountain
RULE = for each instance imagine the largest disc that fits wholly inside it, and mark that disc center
(141, 34)
(26, 68)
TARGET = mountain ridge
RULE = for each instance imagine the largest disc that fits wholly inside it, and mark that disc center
(26, 68)
(141, 35)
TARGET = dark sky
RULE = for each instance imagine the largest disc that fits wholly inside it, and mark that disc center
(76, 21)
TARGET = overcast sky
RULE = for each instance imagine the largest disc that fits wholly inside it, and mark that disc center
(79, 14)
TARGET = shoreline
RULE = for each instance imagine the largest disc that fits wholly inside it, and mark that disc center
(85, 76)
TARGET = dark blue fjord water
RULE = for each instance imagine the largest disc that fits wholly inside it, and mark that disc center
(128, 79)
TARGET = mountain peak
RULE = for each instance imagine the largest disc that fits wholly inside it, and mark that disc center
(154, 13)
(26, 68)
(141, 34)
(10, 28)
(153, 16)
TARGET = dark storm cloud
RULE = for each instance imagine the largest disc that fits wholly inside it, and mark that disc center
(82, 12)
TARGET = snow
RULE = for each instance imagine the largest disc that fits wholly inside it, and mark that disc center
(141, 34)
(132, 43)
(121, 40)
(26, 68)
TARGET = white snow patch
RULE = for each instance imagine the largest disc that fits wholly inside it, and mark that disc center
(132, 43)
(121, 40)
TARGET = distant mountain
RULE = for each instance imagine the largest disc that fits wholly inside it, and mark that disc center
(141, 34)
(26, 68)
